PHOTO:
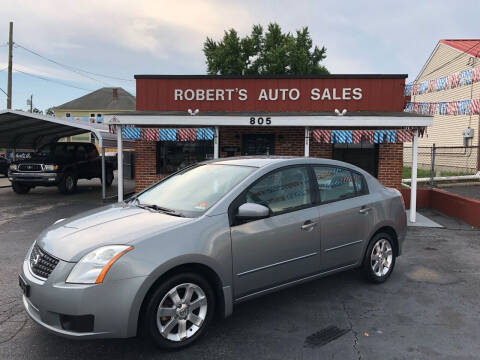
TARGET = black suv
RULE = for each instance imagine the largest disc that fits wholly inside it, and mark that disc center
(59, 164)
(4, 164)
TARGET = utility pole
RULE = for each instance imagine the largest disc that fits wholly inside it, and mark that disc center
(30, 102)
(10, 56)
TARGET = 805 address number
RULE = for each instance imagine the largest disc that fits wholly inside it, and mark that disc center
(260, 120)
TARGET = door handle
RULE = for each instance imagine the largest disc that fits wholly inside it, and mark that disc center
(364, 210)
(308, 225)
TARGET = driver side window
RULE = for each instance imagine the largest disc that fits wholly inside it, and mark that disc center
(281, 191)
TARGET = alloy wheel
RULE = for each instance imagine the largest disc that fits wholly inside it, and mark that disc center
(381, 257)
(182, 312)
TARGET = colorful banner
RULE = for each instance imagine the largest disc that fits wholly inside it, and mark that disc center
(362, 136)
(461, 78)
(149, 135)
(460, 107)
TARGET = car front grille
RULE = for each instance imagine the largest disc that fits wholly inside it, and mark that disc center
(30, 167)
(41, 263)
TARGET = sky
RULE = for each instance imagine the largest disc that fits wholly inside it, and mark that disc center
(121, 38)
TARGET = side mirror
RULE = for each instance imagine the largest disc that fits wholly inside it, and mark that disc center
(252, 211)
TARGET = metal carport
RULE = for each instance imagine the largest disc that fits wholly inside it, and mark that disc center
(24, 130)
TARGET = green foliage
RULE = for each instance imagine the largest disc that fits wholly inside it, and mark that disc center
(270, 52)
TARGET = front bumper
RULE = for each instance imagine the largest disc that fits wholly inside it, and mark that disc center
(35, 178)
(110, 303)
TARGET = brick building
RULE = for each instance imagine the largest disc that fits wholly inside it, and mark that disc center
(354, 118)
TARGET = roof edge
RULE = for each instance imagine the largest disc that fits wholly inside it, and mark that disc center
(281, 76)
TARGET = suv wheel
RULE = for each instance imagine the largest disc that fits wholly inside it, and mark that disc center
(19, 188)
(109, 178)
(380, 258)
(68, 183)
(179, 311)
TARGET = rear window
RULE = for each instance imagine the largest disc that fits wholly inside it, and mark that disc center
(336, 183)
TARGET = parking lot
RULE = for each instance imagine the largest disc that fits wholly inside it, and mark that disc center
(429, 309)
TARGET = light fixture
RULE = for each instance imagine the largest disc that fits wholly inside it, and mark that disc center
(344, 111)
(193, 113)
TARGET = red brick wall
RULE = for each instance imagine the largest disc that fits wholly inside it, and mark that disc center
(146, 164)
(390, 163)
(288, 141)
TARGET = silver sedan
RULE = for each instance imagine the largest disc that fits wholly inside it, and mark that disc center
(204, 239)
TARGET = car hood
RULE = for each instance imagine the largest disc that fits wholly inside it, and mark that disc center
(117, 224)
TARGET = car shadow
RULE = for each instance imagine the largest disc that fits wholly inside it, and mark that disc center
(318, 296)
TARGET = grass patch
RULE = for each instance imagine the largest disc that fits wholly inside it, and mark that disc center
(422, 173)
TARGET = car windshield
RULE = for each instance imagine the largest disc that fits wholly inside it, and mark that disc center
(45, 150)
(193, 191)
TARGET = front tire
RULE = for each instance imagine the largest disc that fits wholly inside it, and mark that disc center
(19, 188)
(179, 311)
(379, 259)
(68, 184)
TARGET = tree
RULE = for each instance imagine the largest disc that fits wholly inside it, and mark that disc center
(270, 52)
(37, 111)
(50, 111)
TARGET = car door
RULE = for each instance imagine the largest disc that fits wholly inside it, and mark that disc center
(81, 160)
(346, 215)
(94, 161)
(283, 247)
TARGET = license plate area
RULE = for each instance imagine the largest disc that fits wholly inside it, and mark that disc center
(24, 286)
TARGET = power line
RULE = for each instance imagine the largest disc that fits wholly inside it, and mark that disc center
(3, 91)
(51, 80)
(466, 52)
(72, 68)
(67, 67)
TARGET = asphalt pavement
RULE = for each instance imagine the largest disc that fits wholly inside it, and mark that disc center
(429, 308)
(471, 190)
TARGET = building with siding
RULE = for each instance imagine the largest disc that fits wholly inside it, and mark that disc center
(95, 105)
(448, 87)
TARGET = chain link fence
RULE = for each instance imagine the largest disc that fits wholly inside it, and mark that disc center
(438, 163)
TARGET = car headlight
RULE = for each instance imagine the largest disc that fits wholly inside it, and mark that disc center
(50, 167)
(92, 268)
(13, 167)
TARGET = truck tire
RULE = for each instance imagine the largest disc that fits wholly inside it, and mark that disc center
(68, 184)
(19, 188)
(109, 178)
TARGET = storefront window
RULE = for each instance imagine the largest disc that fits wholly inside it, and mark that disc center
(175, 155)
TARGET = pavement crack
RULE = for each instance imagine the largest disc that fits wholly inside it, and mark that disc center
(15, 333)
(354, 332)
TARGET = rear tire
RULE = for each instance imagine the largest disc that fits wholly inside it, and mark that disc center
(173, 319)
(19, 188)
(68, 184)
(379, 260)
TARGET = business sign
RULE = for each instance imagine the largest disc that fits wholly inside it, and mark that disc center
(293, 94)
(316, 94)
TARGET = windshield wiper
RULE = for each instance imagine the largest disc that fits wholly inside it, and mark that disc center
(158, 208)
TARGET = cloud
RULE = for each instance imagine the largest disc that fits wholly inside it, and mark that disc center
(124, 37)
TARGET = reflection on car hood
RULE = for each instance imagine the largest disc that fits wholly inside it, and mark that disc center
(115, 224)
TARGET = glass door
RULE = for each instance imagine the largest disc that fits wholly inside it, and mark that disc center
(258, 144)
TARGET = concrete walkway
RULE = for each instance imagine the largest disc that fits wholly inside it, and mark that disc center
(422, 221)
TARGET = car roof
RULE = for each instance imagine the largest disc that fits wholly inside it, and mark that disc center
(255, 161)
(263, 161)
